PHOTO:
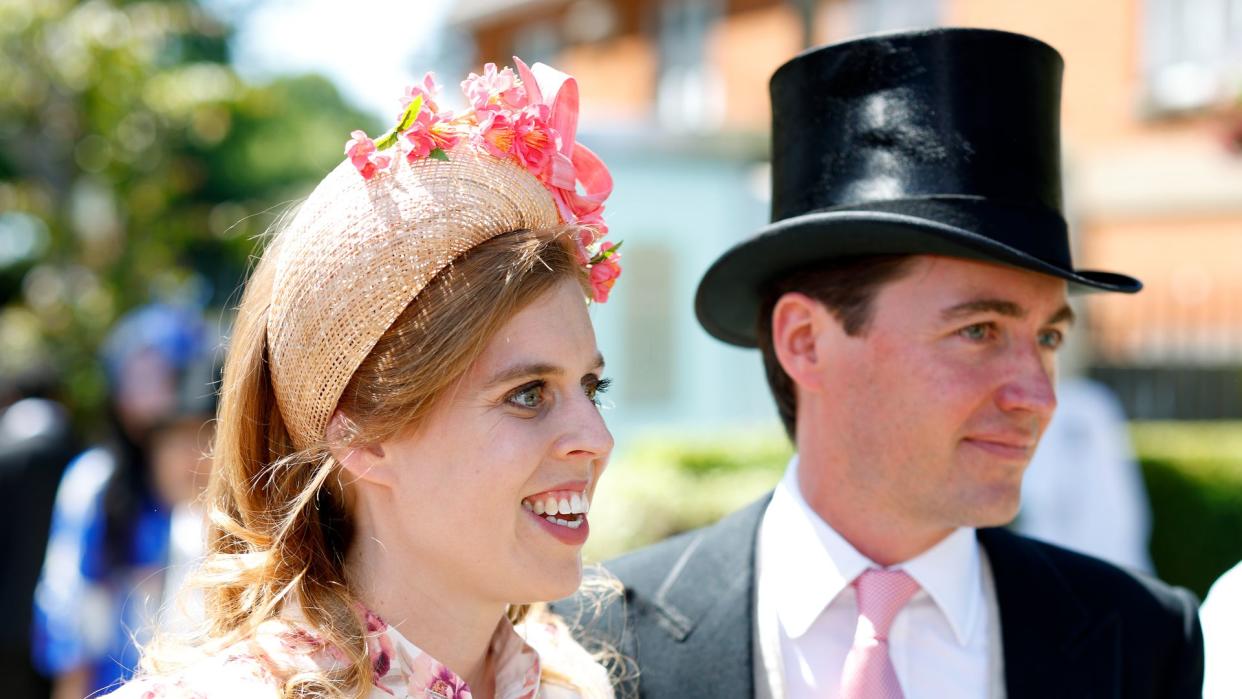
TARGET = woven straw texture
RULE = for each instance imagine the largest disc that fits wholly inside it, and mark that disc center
(359, 251)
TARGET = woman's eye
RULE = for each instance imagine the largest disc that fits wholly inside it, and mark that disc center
(1051, 339)
(593, 389)
(528, 397)
(977, 332)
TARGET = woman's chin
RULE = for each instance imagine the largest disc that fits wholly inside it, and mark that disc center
(552, 582)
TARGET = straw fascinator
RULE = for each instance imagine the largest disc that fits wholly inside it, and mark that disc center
(401, 207)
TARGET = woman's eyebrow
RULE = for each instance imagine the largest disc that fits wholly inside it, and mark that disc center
(527, 369)
(520, 371)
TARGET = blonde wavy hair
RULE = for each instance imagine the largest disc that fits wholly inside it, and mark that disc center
(279, 521)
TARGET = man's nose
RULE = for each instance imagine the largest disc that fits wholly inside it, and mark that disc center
(1029, 387)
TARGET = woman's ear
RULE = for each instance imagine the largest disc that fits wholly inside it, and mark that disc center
(364, 462)
(798, 323)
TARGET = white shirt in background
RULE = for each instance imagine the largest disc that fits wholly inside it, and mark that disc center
(1084, 490)
(1221, 616)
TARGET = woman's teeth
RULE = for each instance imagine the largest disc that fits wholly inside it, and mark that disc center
(550, 505)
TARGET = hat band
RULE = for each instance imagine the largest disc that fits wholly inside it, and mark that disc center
(1033, 230)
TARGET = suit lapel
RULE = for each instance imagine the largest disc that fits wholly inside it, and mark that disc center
(706, 603)
(1053, 645)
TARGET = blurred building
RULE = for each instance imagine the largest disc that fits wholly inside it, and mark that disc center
(675, 99)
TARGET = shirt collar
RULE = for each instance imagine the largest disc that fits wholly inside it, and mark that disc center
(809, 564)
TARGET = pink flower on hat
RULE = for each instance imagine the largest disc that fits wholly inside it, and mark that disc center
(535, 142)
(604, 272)
(528, 118)
(428, 89)
(361, 152)
(494, 88)
(584, 238)
(495, 134)
(430, 133)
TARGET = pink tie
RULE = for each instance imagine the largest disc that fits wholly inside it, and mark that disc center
(868, 670)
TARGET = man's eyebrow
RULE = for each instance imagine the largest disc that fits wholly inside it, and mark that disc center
(969, 308)
(1065, 315)
(1002, 307)
(529, 369)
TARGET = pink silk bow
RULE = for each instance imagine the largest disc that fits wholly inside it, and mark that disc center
(573, 163)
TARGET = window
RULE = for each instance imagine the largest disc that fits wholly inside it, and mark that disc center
(1192, 53)
(689, 94)
(650, 352)
(537, 42)
(871, 16)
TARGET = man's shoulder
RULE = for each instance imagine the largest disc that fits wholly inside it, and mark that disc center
(646, 569)
(1100, 585)
(1118, 631)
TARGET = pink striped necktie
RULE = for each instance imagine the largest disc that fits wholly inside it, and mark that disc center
(868, 672)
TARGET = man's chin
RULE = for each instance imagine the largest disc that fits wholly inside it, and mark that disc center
(999, 511)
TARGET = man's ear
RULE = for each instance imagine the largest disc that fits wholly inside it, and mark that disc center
(364, 462)
(798, 325)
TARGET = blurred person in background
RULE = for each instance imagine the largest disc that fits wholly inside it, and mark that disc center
(1222, 637)
(102, 585)
(1084, 489)
(180, 456)
(37, 441)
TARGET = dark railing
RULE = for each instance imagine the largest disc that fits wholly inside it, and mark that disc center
(1175, 392)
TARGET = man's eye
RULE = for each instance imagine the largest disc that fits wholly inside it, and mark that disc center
(1051, 339)
(977, 332)
(529, 397)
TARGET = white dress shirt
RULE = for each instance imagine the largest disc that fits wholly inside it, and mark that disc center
(944, 643)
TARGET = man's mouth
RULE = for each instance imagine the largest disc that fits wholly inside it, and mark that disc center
(562, 507)
(1003, 447)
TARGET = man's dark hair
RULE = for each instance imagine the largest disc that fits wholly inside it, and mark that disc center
(846, 287)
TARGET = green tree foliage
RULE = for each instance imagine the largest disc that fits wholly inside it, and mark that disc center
(134, 165)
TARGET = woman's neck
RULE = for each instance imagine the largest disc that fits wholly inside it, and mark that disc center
(430, 608)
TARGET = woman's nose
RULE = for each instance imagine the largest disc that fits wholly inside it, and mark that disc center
(586, 434)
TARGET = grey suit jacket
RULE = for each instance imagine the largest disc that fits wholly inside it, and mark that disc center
(1071, 625)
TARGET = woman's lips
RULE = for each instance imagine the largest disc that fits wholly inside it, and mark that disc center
(566, 535)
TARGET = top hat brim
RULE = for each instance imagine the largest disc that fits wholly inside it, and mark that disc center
(729, 295)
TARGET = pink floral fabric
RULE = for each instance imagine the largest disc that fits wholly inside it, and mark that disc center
(283, 648)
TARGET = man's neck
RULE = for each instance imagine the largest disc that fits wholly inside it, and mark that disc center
(885, 535)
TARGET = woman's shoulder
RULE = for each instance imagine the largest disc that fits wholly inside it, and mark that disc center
(256, 667)
(240, 677)
(568, 669)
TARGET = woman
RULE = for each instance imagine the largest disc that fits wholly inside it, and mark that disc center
(408, 439)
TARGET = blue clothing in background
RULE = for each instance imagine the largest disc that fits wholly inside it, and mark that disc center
(89, 611)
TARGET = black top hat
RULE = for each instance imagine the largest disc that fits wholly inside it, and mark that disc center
(944, 142)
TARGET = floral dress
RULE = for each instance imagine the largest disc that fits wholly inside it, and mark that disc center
(531, 661)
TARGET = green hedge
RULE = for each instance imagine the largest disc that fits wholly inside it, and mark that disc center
(1193, 473)
(666, 484)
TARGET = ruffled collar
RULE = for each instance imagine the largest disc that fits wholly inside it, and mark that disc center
(400, 668)
(403, 670)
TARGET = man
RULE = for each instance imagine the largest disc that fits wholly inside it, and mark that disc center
(908, 299)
